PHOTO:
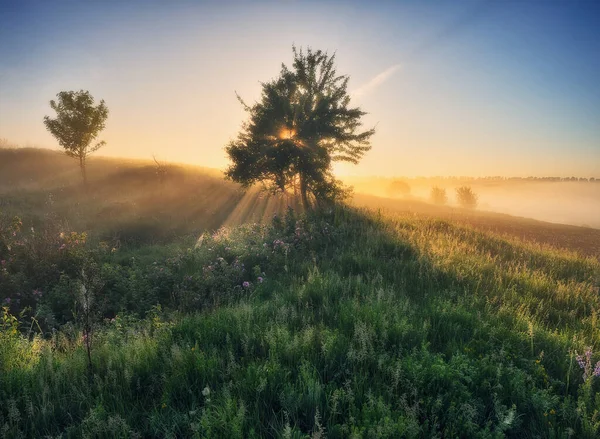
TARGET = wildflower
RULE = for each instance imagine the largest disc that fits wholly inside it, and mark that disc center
(164, 405)
(585, 362)
(193, 348)
(260, 280)
(206, 391)
(62, 247)
(552, 412)
(246, 284)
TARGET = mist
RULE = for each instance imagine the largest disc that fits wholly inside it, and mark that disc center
(563, 202)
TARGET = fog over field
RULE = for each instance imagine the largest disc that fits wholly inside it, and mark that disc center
(564, 202)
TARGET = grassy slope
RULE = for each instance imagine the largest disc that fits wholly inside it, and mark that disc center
(584, 240)
(400, 325)
(385, 327)
(127, 201)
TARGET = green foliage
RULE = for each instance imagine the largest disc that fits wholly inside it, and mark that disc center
(438, 195)
(77, 124)
(362, 326)
(302, 124)
(466, 197)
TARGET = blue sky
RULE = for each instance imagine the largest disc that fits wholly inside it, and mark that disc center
(454, 88)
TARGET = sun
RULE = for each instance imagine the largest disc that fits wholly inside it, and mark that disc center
(287, 133)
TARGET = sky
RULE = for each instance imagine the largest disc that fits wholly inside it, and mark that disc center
(472, 88)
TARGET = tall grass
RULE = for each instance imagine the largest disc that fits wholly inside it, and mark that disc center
(364, 326)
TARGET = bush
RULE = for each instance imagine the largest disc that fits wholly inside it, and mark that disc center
(438, 195)
(466, 197)
(399, 188)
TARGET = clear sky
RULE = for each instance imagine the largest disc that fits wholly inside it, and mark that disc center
(455, 87)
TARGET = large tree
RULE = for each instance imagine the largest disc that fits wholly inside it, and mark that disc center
(300, 126)
(77, 124)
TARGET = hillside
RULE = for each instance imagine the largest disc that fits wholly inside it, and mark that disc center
(410, 321)
(347, 324)
(584, 240)
(129, 201)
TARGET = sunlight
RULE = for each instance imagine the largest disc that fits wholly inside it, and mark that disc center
(287, 133)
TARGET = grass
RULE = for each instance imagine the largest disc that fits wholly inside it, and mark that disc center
(417, 321)
(366, 326)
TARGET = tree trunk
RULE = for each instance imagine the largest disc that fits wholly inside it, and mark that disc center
(83, 170)
(304, 193)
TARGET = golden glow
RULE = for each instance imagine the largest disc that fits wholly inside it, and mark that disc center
(287, 133)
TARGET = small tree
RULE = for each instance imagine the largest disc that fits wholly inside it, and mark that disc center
(466, 197)
(438, 195)
(88, 305)
(398, 187)
(78, 122)
(302, 124)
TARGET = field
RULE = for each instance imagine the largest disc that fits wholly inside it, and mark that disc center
(408, 321)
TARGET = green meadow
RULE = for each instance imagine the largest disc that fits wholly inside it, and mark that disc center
(343, 322)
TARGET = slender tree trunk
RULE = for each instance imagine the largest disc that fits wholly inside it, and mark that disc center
(304, 193)
(88, 344)
(83, 170)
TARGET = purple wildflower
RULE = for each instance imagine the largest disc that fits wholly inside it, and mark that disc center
(260, 281)
(580, 361)
(585, 362)
(596, 372)
(246, 284)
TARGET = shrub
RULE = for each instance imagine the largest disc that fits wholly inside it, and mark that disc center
(438, 195)
(398, 188)
(466, 197)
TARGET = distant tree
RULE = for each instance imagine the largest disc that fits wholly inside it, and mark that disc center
(161, 170)
(438, 195)
(398, 187)
(466, 197)
(300, 126)
(78, 122)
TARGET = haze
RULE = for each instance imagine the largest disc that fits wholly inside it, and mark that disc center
(454, 88)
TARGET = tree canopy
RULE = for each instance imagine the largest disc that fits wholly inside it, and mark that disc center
(302, 123)
(77, 124)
